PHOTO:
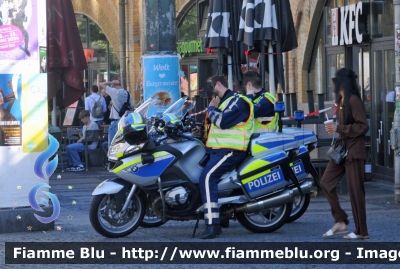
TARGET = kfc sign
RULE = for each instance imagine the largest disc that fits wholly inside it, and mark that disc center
(350, 24)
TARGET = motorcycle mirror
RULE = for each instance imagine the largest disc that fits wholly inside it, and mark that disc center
(147, 159)
(150, 145)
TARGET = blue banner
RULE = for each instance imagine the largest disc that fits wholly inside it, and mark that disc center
(161, 79)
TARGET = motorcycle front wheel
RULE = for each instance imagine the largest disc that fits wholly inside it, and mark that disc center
(110, 223)
(267, 220)
(300, 205)
(151, 220)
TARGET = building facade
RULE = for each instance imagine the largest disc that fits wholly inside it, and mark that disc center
(331, 34)
(105, 14)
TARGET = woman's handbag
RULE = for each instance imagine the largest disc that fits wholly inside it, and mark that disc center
(337, 152)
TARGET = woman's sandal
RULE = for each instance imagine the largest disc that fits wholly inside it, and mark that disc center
(332, 233)
(341, 228)
(352, 236)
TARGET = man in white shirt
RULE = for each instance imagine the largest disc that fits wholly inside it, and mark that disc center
(73, 149)
(90, 101)
(118, 97)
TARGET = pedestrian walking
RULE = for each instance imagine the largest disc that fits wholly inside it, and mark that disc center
(352, 126)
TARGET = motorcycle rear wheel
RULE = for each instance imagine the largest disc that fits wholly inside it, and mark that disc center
(267, 220)
(107, 222)
(300, 205)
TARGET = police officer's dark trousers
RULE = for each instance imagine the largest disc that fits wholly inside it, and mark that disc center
(220, 162)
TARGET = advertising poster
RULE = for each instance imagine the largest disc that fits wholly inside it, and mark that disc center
(43, 60)
(10, 110)
(19, 45)
(161, 79)
(23, 100)
(70, 114)
(34, 112)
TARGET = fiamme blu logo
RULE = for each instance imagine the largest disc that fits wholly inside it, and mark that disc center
(44, 168)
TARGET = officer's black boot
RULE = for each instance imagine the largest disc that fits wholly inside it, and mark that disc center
(211, 231)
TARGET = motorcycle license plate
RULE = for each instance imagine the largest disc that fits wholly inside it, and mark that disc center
(298, 168)
(269, 180)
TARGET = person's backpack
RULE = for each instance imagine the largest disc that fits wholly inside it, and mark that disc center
(125, 106)
(97, 109)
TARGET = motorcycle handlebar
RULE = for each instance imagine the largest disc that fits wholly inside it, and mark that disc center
(188, 136)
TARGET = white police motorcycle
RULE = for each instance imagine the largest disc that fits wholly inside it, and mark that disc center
(161, 169)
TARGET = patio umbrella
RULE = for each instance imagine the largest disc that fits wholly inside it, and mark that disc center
(65, 57)
(221, 34)
(268, 25)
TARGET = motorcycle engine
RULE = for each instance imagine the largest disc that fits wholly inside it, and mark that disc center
(176, 196)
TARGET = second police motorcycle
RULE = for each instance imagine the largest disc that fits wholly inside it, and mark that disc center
(157, 174)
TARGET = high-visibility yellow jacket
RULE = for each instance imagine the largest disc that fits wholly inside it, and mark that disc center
(271, 124)
(237, 137)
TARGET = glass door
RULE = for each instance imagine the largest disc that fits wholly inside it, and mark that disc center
(188, 80)
(383, 105)
(335, 60)
(361, 66)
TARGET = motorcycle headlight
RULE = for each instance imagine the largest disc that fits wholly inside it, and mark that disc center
(133, 148)
(115, 149)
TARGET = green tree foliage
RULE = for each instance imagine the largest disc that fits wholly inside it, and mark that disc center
(98, 40)
(188, 28)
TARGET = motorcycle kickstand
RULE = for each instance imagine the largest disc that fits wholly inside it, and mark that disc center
(196, 226)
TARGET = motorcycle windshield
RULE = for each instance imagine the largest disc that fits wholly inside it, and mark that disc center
(144, 108)
(180, 108)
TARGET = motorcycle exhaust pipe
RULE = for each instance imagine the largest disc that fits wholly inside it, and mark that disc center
(271, 201)
(305, 188)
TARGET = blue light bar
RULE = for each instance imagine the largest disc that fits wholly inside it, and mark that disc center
(299, 115)
(279, 106)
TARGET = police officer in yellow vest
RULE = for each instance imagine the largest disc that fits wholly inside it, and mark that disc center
(266, 120)
(230, 118)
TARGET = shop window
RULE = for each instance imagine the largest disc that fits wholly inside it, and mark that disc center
(188, 80)
(335, 62)
(193, 80)
(184, 79)
(187, 30)
(317, 75)
(203, 16)
(317, 67)
(81, 22)
(382, 15)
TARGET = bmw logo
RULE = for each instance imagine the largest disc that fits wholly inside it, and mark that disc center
(134, 169)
